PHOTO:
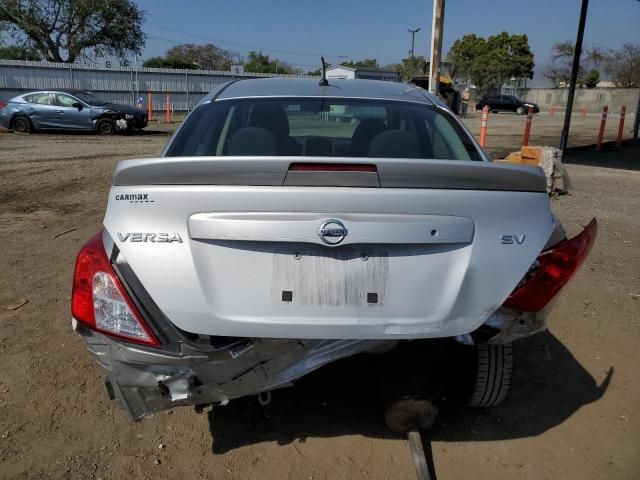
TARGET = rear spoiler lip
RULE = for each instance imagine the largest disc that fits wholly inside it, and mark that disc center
(272, 171)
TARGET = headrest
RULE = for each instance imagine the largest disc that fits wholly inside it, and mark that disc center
(270, 115)
(362, 135)
(395, 144)
(252, 141)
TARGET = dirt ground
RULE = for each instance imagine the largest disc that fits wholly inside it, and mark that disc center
(572, 413)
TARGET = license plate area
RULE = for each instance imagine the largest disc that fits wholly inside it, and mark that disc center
(330, 277)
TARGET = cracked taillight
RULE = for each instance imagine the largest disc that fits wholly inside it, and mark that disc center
(551, 271)
(99, 300)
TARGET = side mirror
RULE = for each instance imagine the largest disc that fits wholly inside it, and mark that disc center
(78, 105)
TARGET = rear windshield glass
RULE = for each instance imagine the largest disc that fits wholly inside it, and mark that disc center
(322, 127)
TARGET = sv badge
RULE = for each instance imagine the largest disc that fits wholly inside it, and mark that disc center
(512, 239)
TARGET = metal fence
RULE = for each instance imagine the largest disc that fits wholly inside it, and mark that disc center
(118, 83)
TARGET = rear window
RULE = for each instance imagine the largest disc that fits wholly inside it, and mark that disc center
(322, 127)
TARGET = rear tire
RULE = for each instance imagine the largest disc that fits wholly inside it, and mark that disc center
(21, 124)
(520, 110)
(493, 375)
(106, 126)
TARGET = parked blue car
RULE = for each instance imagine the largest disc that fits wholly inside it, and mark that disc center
(68, 110)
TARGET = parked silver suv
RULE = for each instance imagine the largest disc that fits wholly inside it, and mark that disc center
(289, 224)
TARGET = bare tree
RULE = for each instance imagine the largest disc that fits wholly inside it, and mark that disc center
(591, 59)
(624, 65)
(61, 30)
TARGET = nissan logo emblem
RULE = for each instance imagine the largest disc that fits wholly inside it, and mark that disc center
(332, 232)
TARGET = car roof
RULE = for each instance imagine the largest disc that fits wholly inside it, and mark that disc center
(55, 90)
(305, 87)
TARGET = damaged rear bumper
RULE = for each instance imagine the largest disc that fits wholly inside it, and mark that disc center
(145, 380)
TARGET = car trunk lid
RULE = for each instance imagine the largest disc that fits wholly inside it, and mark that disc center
(416, 252)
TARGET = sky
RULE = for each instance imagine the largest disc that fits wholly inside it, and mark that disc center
(299, 31)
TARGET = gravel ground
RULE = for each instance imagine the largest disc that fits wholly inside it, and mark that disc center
(572, 412)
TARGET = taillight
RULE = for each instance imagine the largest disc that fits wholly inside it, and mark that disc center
(2, 105)
(100, 302)
(333, 167)
(551, 271)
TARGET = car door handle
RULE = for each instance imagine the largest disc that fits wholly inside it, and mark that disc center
(59, 111)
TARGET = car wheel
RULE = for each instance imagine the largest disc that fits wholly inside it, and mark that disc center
(520, 110)
(21, 124)
(493, 375)
(105, 126)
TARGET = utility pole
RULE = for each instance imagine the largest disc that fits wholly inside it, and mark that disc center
(636, 122)
(413, 37)
(437, 29)
(574, 76)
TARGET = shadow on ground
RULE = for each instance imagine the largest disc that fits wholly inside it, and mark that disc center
(347, 397)
(625, 158)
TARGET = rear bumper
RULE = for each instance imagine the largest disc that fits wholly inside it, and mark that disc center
(146, 380)
(4, 119)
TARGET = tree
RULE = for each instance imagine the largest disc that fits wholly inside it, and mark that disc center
(406, 70)
(624, 66)
(259, 62)
(318, 71)
(190, 56)
(592, 78)
(205, 57)
(559, 72)
(463, 55)
(169, 62)
(366, 63)
(61, 30)
(17, 52)
(491, 62)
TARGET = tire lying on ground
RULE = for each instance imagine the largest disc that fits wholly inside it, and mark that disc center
(493, 375)
(106, 126)
(21, 124)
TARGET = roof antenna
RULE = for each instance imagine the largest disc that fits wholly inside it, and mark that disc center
(323, 80)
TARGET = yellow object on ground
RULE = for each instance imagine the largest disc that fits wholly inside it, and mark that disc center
(547, 158)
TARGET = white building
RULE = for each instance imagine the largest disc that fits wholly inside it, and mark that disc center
(349, 73)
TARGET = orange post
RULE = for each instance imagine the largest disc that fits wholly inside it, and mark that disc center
(168, 113)
(552, 110)
(527, 128)
(603, 122)
(483, 125)
(623, 111)
(583, 111)
(149, 107)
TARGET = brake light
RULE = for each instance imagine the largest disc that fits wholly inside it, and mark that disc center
(100, 302)
(552, 270)
(333, 167)
(2, 105)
